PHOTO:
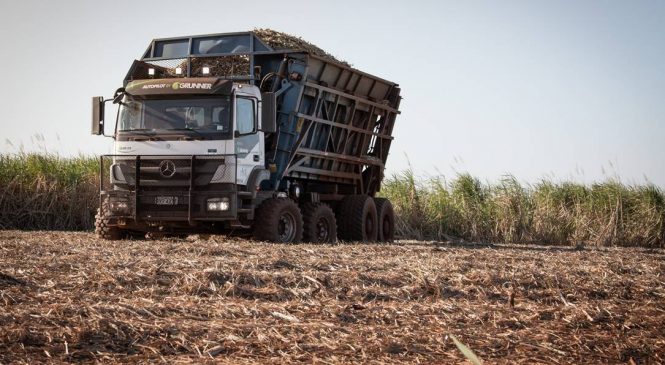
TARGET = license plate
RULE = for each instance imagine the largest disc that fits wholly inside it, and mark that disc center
(166, 200)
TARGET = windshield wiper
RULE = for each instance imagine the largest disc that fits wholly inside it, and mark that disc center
(189, 130)
(140, 130)
(143, 132)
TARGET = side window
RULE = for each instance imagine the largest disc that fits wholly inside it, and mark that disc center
(130, 115)
(245, 116)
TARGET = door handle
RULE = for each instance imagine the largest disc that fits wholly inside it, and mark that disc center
(256, 158)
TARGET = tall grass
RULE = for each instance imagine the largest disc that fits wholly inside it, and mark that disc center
(608, 213)
(45, 191)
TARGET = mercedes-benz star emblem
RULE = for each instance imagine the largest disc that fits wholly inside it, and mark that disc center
(167, 168)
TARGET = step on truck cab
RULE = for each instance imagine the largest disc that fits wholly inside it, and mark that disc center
(228, 131)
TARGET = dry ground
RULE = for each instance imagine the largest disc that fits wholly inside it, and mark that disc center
(72, 297)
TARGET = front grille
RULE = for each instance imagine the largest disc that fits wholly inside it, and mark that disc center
(172, 172)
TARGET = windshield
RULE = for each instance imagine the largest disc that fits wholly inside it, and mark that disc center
(201, 115)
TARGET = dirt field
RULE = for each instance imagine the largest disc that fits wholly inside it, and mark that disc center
(70, 297)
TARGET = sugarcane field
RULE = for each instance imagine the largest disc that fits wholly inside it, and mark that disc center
(69, 297)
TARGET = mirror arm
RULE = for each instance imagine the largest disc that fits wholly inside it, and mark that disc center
(104, 130)
(117, 96)
(104, 119)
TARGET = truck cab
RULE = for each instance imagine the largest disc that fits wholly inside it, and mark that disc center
(205, 121)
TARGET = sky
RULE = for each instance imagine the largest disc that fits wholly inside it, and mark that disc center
(562, 90)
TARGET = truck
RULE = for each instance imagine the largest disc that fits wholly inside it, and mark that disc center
(229, 132)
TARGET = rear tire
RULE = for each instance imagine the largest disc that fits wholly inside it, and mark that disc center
(319, 223)
(386, 220)
(357, 220)
(278, 220)
(103, 229)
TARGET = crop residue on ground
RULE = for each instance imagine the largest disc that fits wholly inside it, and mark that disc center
(72, 297)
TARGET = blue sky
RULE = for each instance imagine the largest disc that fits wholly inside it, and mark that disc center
(570, 90)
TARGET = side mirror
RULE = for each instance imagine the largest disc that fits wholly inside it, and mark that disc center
(268, 112)
(97, 115)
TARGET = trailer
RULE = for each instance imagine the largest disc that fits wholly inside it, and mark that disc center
(224, 131)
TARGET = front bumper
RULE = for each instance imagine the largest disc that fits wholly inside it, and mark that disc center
(168, 206)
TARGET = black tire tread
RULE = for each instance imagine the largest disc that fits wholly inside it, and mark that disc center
(102, 227)
(350, 218)
(265, 228)
(311, 212)
(383, 204)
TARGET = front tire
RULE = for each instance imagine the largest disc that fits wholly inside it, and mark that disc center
(103, 229)
(278, 220)
(356, 217)
(320, 224)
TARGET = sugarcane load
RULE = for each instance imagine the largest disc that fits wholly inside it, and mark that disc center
(257, 131)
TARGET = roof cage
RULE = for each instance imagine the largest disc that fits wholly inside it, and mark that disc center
(228, 55)
(206, 45)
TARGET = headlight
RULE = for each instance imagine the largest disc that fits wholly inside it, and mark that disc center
(218, 204)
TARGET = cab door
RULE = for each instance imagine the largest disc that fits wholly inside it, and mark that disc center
(248, 140)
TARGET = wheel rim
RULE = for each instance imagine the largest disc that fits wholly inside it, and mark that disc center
(322, 230)
(286, 227)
